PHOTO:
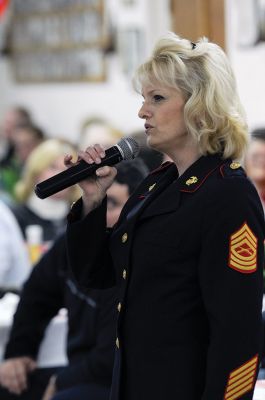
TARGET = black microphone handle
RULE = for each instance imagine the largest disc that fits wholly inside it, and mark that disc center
(75, 174)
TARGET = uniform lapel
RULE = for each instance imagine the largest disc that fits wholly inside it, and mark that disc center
(161, 192)
(148, 191)
(164, 199)
(169, 197)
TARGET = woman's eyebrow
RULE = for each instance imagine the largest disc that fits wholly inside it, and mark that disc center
(151, 91)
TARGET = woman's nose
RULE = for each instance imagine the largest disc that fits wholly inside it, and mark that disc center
(143, 112)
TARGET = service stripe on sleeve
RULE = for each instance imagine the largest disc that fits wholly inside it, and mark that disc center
(241, 380)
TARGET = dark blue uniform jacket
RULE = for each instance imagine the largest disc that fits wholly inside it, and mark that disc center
(187, 256)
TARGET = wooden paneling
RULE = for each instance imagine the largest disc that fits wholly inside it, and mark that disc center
(196, 18)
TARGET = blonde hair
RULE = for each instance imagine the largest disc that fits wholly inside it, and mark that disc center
(39, 160)
(201, 71)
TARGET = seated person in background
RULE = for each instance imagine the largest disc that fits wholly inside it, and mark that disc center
(255, 162)
(91, 320)
(13, 117)
(50, 213)
(25, 138)
(255, 168)
(98, 130)
(10, 164)
(14, 260)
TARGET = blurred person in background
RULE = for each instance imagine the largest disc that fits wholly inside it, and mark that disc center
(98, 130)
(25, 138)
(13, 117)
(14, 258)
(255, 161)
(49, 214)
(91, 320)
(255, 169)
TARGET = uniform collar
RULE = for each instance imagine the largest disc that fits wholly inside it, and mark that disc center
(197, 174)
(163, 167)
(168, 196)
(159, 186)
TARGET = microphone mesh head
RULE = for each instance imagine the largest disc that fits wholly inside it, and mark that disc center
(129, 148)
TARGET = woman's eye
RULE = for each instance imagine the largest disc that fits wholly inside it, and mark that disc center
(158, 97)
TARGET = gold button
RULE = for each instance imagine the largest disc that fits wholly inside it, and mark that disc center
(119, 307)
(235, 165)
(124, 274)
(124, 237)
(117, 343)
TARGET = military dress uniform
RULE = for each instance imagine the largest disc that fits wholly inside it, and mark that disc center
(187, 258)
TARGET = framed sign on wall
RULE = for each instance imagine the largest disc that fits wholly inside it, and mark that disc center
(58, 40)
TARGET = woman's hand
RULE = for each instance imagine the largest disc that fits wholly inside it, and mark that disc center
(94, 187)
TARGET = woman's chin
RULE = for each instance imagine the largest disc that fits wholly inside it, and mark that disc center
(151, 143)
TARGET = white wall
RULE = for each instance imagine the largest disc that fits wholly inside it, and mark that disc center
(248, 61)
(61, 108)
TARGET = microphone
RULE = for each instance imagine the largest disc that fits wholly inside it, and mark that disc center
(125, 149)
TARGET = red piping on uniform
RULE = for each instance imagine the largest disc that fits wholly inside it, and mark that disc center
(199, 185)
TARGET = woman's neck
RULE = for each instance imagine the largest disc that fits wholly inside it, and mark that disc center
(185, 158)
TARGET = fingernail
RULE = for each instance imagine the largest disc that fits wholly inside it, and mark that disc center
(98, 172)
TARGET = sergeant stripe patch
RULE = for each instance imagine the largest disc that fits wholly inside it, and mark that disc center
(241, 380)
(243, 250)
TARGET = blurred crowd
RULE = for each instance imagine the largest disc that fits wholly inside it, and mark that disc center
(28, 155)
(33, 262)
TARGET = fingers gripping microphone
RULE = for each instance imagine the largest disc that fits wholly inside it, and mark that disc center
(125, 149)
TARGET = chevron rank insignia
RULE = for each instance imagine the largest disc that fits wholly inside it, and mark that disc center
(241, 380)
(243, 250)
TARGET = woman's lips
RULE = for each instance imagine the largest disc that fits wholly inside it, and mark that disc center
(147, 127)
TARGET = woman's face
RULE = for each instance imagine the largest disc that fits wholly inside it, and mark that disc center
(162, 110)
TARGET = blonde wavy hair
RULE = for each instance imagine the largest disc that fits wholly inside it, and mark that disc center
(39, 160)
(201, 71)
